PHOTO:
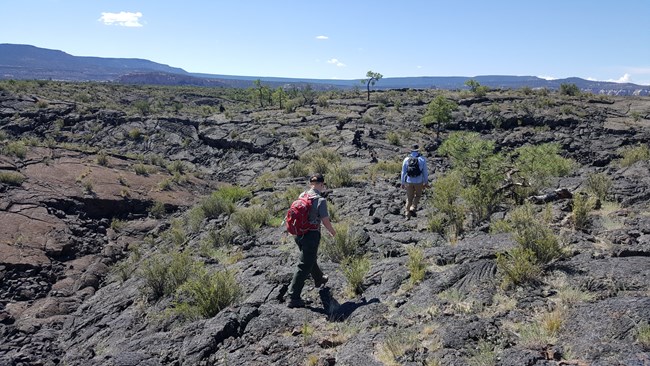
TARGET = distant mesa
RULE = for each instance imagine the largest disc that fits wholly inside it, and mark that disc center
(29, 62)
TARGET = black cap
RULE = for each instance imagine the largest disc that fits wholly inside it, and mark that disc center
(416, 147)
(318, 177)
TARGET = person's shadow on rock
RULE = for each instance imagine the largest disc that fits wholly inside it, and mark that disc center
(335, 311)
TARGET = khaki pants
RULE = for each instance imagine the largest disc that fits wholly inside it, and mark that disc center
(413, 195)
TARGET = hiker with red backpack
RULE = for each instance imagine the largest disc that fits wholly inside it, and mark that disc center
(303, 220)
(414, 179)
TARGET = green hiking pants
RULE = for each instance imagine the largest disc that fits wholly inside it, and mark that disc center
(308, 245)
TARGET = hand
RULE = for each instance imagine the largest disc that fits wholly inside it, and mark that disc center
(403, 186)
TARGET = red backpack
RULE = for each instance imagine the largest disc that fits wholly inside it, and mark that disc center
(297, 219)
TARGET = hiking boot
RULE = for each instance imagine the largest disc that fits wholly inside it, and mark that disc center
(322, 281)
(408, 215)
(295, 303)
(413, 213)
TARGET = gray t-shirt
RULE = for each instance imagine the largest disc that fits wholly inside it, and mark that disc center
(318, 208)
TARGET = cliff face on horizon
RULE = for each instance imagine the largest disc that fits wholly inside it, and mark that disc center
(122, 208)
(24, 62)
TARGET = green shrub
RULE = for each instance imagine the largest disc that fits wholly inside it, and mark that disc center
(309, 134)
(446, 201)
(213, 206)
(157, 210)
(164, 273)
(393, 138)
(176, 166)
(599, 185)
(165, 184)
(439, 113)
(631, 155)
(479, 171)
(135, 134)
(534, 235)
(220, 238)
(467, 151)
(384, 168)
(298, 169)
(233, 193)
(320, 164)
(102, 159)
(643, 335)
(250, 219)
(117, 224)
(582, 205)
(16, 148)
(569, 89)
(319, 160)
(537, 164)
(141, 169)
(266, 180)
(291, 105)
(483, 355)
(204, 295)
(518, 266)
(416, 264)
(123, 269)
(223, 201)
(354, 270)
(436, 222)
(157, 160)
(323, 101)
(194, 218)
(343, 245)
(176, 234)
(11, 178)
(340, 176)
(500, 226)
(482, 199)
(396, 343)
(142, 106)
(88, 186)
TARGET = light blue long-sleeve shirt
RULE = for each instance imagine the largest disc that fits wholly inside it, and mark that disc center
(422, 178)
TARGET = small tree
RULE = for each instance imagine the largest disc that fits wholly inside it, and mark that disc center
(279, 95)
(476, 88)
(569, 89)
(308, 94)
(371, 79)
(439, 113)
(261, 89)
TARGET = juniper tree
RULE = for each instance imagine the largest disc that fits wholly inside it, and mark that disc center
(371, 79)
(279, 95)
(439, 113)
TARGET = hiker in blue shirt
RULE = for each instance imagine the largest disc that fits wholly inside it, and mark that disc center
(415, 177)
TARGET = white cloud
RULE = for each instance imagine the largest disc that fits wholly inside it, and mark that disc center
(547, 77)
(623, 79)
(123, 18)
(336, 62)
(322, 37)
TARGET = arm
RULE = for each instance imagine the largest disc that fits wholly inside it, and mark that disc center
(403, 176)
(324, 216)
(328, 225)
(425, 173)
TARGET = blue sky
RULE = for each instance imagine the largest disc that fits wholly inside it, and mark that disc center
(343, 39)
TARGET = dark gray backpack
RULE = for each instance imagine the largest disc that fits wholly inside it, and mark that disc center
(413, 167)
